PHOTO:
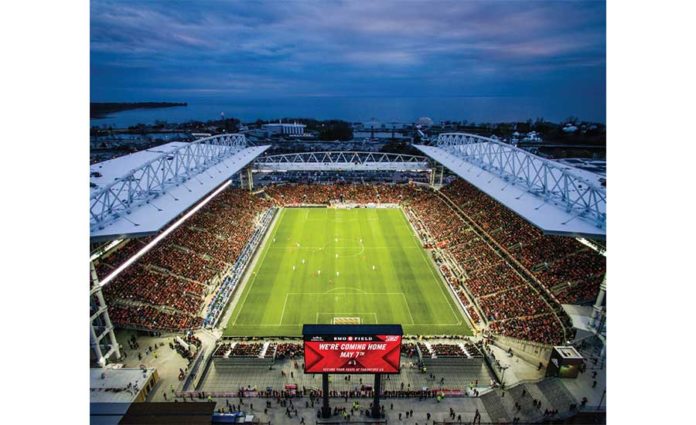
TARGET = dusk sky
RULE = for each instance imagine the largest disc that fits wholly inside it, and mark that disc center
(246, 50)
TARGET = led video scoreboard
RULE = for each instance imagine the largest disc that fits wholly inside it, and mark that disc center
(352, 348)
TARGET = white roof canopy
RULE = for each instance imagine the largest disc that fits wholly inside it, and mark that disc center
(139, 194)
(557, 198)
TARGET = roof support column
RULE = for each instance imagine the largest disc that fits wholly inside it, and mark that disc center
(250, 177)
(101, 320)
(598, 310)
(431, 173)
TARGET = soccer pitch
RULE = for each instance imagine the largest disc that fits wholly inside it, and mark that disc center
(325, 265)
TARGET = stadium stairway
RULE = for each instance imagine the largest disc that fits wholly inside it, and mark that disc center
(493, 403)
(500, 404)
(264, 349)
(527, 411)
(556, 393)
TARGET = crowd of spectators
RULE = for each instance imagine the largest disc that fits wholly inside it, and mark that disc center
(487, 273)
(222, 349)
(518, 301)
(474, 349)
(176, 275)
(246, 350)
(192, 339)
(493, 279)
(288, 350)
(154, 288)
(473, 313)
(544, 329)
(425, 351)
(224, 291)
(447, 350)
(318, 194)
(409, 349)
(439, 350)
(496, 286)
(117, 256)
(166, 288)
(185, 352)
(148, 317)
(568, 268)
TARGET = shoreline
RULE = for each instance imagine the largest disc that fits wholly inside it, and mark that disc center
(102, 110)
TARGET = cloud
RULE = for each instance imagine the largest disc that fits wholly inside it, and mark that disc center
(388, 48)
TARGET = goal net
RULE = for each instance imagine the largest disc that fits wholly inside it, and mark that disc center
(346, 321)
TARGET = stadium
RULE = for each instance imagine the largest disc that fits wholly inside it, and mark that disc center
(208, 258)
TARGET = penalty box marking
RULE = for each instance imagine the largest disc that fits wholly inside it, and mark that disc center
(360, 291)
(268, 246)
(408, 308)
(316, 320)
(291, 247)
(285, 303)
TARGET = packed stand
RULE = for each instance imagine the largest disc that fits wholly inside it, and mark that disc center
(488, 275)
(425, 351)
(542, 329)
(114, 258)
(318, 194)
(222, 349)
(566, 267)
(474, 349)
(175, 277)
(246, 350)
(409, 349)
(519, 301)
(147, 317)
(288, 351)
(227, 287)
(496, 286)
(447, 350)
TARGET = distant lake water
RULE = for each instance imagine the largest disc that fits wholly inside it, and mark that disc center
(384, 109)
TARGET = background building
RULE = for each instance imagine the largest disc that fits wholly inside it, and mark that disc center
(285, 129)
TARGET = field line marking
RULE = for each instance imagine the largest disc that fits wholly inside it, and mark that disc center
(345, 287)
(332, 313)
(267, 325)
(408, 308)
(271, 325)
(345, 247)
(276, 226)
(431, 266)
(345, 293)
(283, 313)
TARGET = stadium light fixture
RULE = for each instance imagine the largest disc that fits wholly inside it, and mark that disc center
(592, 245)
(163, 235)
(104, 250)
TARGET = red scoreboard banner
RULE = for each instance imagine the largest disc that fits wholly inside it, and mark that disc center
(352, 353)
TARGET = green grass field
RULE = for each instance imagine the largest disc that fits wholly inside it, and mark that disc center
(320, 264)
